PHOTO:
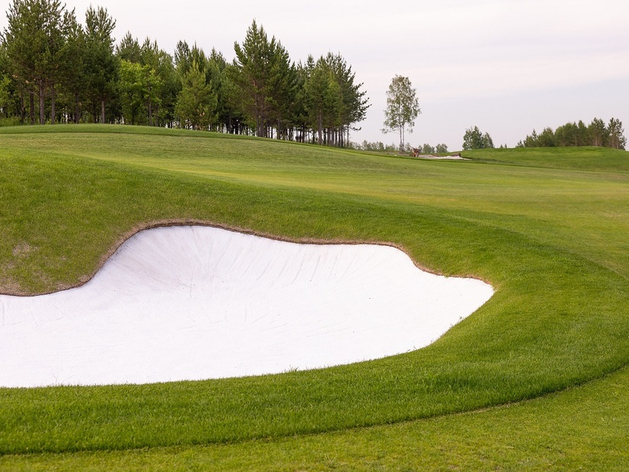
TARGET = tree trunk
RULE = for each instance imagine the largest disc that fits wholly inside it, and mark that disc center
(76, 108)
(320, 128)
(53, 103)
(22, 108)
(32, 106)
(42, 103)
(102, 111)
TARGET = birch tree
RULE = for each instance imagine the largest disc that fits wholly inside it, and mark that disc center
(402, 108)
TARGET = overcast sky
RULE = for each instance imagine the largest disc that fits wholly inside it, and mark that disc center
(505, 66)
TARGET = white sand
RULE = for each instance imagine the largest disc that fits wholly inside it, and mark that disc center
(190, 303)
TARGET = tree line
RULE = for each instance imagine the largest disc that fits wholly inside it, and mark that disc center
(408, 149)
(597, 133)
(55, 70)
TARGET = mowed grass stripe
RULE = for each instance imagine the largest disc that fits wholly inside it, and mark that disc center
(557, 320)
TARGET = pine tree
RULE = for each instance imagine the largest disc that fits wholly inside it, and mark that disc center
(35, 40)
(75, 82)
(101, 63)
(254, 60)
(316, 92)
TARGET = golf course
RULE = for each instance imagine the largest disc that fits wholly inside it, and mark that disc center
(535, 379)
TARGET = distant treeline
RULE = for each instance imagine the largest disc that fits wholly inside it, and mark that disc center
(596, 133)
(380, 146)
(54, 69)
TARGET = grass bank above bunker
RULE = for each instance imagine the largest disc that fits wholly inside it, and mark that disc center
(559, 316)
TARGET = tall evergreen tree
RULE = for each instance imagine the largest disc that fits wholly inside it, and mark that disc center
(129, 49)
(353, 104)
(75, 81)
(185, 56)
(316, 95)
(35, 39)
(258, 62)
(282, 89)
(101, 63)
(332, 101)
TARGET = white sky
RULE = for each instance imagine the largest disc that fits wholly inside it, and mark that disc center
(505, 66)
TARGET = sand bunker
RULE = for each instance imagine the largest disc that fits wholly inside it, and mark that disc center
(191, 303)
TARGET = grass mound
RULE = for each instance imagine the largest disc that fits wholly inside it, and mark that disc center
(546, 228)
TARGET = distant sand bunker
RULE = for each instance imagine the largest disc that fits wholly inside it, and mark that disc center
(191, 303)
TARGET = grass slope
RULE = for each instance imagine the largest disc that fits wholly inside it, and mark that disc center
(547, 229)
(583, 428)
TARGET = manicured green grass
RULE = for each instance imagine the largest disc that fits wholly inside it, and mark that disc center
(551, 236)
(584, 428)
(584, 158)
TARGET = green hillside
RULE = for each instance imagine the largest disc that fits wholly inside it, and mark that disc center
(547, 228)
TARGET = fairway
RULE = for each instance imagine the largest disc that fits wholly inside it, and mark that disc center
(546, 228)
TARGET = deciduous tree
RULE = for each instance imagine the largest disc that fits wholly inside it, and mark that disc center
(475, 139)
(138, 87)
(441, 149)
(196, 102)
(597, 132)
(617, 138)
(402, 107)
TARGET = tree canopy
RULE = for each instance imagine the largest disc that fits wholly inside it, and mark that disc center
(55, 68)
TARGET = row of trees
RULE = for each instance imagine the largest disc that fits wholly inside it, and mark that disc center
(597, 133)
(438, 149)
(380, 146)
(53, 69)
